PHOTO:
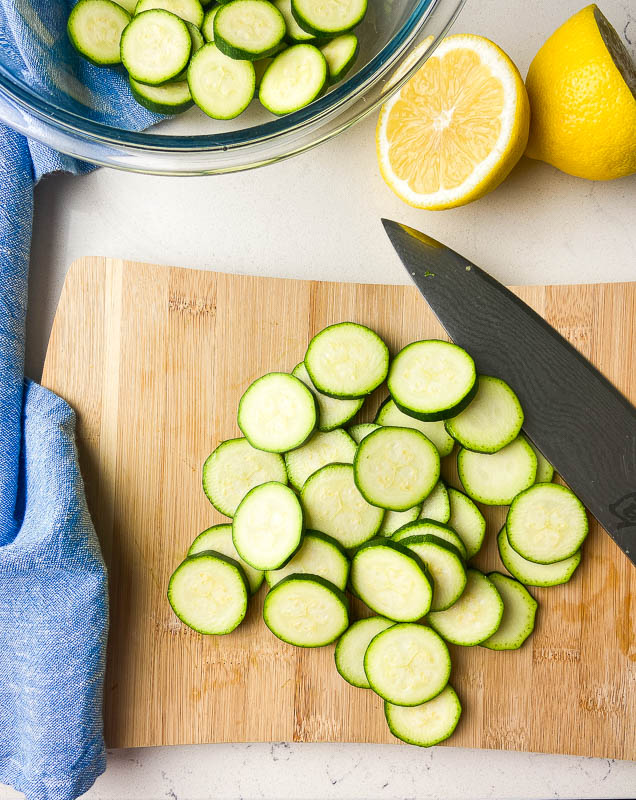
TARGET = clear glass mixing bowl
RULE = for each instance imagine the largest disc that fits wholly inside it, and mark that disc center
(193, 144)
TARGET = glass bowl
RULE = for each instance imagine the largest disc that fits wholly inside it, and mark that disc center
(193, 144)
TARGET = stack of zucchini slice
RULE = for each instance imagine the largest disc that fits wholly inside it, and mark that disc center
(318, 510)
(220, 55)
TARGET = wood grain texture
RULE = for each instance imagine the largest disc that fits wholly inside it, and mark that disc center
(154, 361)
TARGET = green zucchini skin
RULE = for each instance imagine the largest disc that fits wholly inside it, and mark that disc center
(531, 574)
(301, 17)
(141, 95)
(222, 31)
(520, 609)
(447, 701)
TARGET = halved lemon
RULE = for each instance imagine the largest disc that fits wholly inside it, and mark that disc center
(457, 128)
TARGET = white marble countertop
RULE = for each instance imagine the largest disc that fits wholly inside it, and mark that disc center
(317, 215)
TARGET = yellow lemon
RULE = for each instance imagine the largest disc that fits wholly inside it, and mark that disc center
(457, 128)
(582, 88)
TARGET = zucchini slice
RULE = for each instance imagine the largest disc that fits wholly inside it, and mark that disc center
(306, 610)
(352, 646)
(222, 87)
(209, 593)
(322, 448)
(340, 54)
(346, 359)
(188, 10)
(491, 421)
(358, 432)
(496, 479)
(407, 664)
(95, 28)
(428, 724)
(196, 37)
(318, 555)
(295, 33)
(293, 80)
(391, 580)
(219, 539)
(234, 468)
(429, 527)
(328, 19)
(248, 29)
(474, 617)
(535, 574)
(171, 98)
(277, 412)
(467, 520)
(520, 609)
(445, 565)
(155, 47)
(333, 505)
(390, 414)
(268, 526)
(437, 505)
(545, 470)
(396, 468)
(547, 523)
(332, 413)
(432, 379)
(207, 28)
(394, 520)
(129, 5)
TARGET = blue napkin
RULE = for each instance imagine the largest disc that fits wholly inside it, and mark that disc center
(53, 589)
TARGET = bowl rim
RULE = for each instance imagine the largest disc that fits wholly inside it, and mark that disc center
(325, 107)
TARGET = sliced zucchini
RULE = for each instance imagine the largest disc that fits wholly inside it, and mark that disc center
(322, 448)
(491, 421)
(188, 10)
(209, 593)
(547, 523)
(306, 611)
(407, 664)
(328, 19)
(129, 5)
(390, 414)
(391, 580)
(196, 37)
(293, 80)
(396, 468)
(268, 526)
(207, 28)
(437, 505)
(496, 479)
(394, 520)
(340, 54)
(545, 470)
(219, 539)
(346, 359)
(333, 505)
(467, 520)
(234, 468)
(352, 646)
(432, 380)
(535, 574)
(248, 29)
(155, 47)
(474, 617)
(358, 432)
(318, 555)
(295, 33)
(332, 413)
(171, 98)
(277, 412)
(428, 724)
(222, 87)
(95, 28)
(520, 609)
(429, 527)
(445, 565)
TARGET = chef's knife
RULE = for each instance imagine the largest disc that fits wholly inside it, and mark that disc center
(580, 422)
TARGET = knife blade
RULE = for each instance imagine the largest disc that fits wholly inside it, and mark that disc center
(580, 422)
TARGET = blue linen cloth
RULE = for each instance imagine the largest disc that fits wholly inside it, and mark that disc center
(53, 588)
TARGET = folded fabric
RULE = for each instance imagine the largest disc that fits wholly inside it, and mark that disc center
(53, 596)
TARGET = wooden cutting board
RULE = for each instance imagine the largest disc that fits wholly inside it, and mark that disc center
(154, 361)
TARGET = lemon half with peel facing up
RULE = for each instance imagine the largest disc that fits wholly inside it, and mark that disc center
(457, 128)
(582, 88)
